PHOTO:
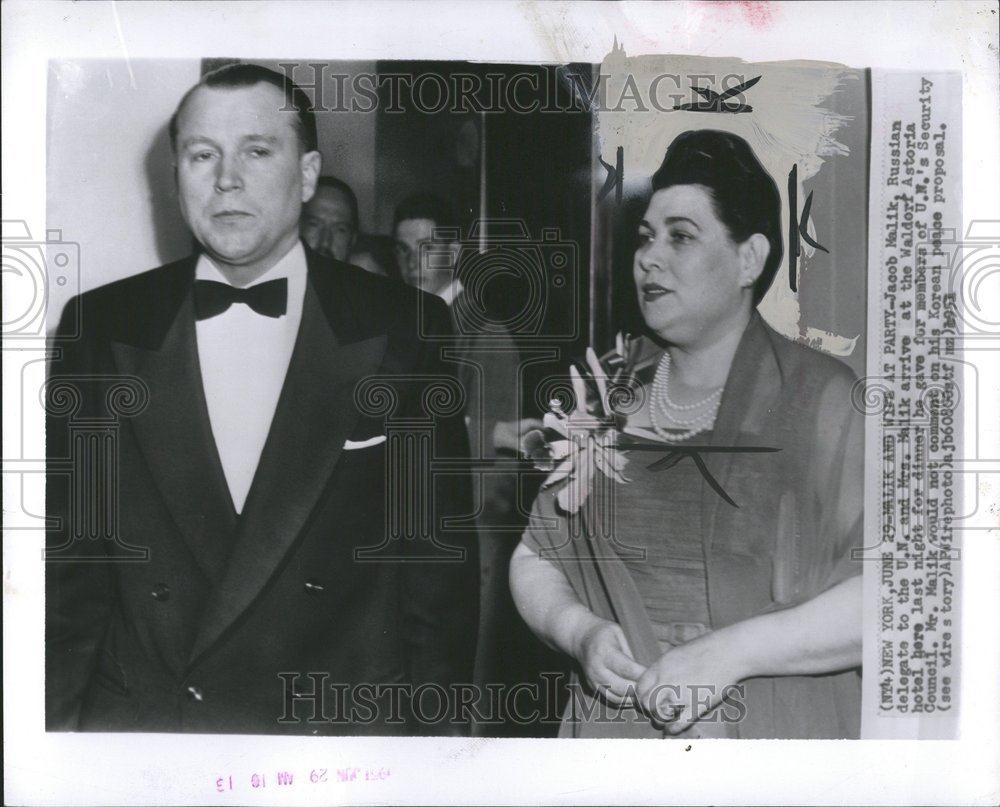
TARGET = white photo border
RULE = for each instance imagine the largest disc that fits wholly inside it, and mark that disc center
(185, 769)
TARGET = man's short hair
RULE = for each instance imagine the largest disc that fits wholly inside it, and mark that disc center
(338, 184)
(232, 76)
(425, 206)
(744, 195)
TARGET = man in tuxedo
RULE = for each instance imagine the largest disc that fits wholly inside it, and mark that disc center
(255, 548)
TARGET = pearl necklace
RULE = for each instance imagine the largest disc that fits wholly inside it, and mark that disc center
(707, 408)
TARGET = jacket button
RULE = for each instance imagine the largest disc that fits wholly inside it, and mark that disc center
(314, 587)
(195, 694)
(161, 592)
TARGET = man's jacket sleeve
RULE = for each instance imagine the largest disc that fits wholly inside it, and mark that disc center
(78, 580)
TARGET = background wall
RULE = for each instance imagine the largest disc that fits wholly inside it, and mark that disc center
(109, 177)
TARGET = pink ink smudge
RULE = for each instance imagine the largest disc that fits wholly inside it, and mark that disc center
(758, 13)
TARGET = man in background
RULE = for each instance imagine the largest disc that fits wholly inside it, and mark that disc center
(329, 223)
(429, 253)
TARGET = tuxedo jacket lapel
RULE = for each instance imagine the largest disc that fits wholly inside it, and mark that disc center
(314, 416)
(174, 432)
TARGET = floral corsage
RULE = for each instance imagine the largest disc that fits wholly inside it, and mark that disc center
(576, 443)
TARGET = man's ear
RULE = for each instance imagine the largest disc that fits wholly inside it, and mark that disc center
(310, 163)
(753, 255)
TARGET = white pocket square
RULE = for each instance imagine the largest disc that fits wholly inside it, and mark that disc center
(351, 445)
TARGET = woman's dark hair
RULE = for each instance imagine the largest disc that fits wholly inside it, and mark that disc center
(744, 195)
(232, 76)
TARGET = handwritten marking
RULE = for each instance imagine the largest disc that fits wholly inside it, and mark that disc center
(290, 779)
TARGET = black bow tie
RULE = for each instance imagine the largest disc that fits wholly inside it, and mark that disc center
(212, 298)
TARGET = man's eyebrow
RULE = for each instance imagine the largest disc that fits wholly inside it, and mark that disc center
(197, 140)
(250, 138)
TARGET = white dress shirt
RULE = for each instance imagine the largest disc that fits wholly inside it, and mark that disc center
(451, 291)
(244, 357)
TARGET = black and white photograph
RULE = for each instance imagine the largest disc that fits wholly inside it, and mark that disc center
(387, 415)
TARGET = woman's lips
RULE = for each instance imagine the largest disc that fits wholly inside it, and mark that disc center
(652, 292)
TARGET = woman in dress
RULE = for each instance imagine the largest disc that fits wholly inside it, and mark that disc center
(714, 593)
